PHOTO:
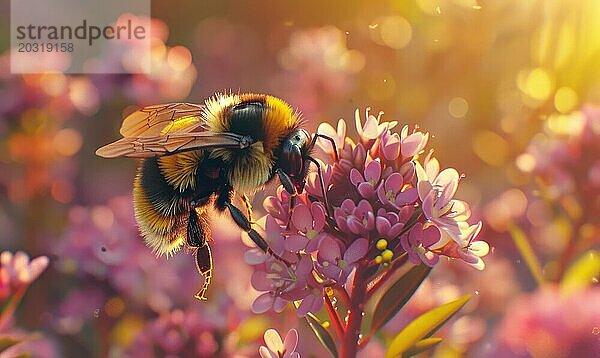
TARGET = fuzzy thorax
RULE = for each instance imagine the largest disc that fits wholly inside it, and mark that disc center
(248, 169)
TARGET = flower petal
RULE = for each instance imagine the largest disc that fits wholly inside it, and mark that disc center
(255, 256)
(370, 129)
(382, 225)
(260, 281)
(357, 250)
(413, 144)
(329, 250)
(429, 258)
(391, 149)
(318, 214)
(479, 248)
(291, 340)
(310, 303)
(407, 196)
(366, 190)
(262, 303)
(273, 340)
(355, 177)
(354, 225)
(394, 182)
(296, 243)
(373, 171)
(302, 218)
(431, 236)
(448, 180)
(266, 353)
(279, 304)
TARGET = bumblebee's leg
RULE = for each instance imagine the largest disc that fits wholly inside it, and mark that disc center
(197, 237)
(290, 188)
(248, 207)
(242, 221)
(204, 264)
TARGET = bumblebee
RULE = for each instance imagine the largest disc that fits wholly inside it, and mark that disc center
(197, 156)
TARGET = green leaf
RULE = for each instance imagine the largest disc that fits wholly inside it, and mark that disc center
(322, 334)
(582, 273)
(424, 326)
(421, 346)
(6, 342)
(527, 252)
(396, 296)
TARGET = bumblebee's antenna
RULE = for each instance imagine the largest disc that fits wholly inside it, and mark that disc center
(319, 135)
(327, 206)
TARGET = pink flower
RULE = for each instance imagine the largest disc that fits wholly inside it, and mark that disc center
(413, 143)
(469, 251)
(313, 184)
(390, 145)
(366, 184)
(355, 219)
(279, 349)
(18, 271)
(417, 241)
(371, 129)
(389, 224)
(548, 323)
(390, 192)
(336, 266)
(278, 206)
(282, 283)
(439, 207)
(310, 224)
(269, 301)
(273, 234)
(338, 136)
(313, 301)
(193, 332)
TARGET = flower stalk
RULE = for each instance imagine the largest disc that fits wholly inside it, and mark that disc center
(384, 207)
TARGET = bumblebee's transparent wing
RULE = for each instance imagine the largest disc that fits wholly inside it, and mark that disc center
(168, 129)
(144, 147)
(163, 119)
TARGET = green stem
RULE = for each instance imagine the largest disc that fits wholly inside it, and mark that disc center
(12, 306)
(528, 254)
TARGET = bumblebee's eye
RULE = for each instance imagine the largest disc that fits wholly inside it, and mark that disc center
(295, 158)
(291, 160)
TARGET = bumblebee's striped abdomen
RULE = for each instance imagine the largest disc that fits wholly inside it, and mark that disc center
(161, 192)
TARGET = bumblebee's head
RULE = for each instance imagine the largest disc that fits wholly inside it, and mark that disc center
(295, 149)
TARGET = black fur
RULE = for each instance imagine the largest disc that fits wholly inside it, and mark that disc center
(163, 197)
(246, 118)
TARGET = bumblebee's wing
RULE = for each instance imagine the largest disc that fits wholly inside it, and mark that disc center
(163, 119)
(144, 147)
(168, 129)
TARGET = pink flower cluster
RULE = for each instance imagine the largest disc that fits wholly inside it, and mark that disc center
(388, 202)
(188, 333)
(17, 271)
(549, 323)
(102, 246)
(566, 156)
